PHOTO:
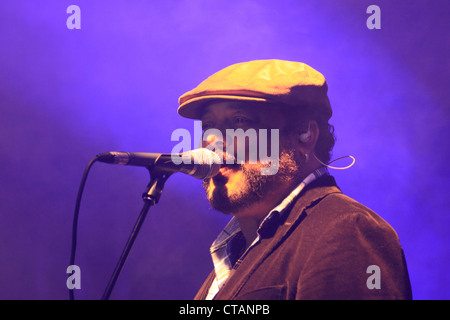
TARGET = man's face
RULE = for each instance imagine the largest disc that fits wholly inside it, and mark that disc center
(239, 186)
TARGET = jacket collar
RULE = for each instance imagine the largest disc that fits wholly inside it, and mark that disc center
(312, 194)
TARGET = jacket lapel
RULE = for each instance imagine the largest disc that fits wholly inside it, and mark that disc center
(318, 190)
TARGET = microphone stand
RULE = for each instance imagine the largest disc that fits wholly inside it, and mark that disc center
(150, 197)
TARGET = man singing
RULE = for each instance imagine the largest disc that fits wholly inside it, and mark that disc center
(293, 234)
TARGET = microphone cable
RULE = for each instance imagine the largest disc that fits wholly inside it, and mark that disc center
(75, 217)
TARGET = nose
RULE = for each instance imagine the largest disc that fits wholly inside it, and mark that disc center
(216, 142)
(213, 139)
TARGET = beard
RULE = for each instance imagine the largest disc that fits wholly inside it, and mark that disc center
(252, 187)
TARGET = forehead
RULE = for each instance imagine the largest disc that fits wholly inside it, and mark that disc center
(225, 108)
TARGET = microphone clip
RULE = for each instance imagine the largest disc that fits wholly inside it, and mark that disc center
(155, 187)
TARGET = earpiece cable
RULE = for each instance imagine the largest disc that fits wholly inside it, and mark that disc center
(337, 168)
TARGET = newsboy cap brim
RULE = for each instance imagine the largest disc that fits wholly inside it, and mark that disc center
(276, 81)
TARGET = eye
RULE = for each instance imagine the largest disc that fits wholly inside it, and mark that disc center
(207, 125)
(241, 121)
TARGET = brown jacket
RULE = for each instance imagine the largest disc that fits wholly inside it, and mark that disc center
(323, 249)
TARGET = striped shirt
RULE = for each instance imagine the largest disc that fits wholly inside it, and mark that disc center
(222, 253)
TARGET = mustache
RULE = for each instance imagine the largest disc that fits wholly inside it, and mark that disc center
(220, 178)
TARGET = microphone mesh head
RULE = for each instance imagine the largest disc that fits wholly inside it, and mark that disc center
(208, 163)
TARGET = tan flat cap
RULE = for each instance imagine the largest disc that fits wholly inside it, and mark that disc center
(291, 83)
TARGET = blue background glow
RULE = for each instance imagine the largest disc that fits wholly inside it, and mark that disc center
(67, 95)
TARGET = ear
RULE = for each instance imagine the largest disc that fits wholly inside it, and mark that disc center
(306, 137)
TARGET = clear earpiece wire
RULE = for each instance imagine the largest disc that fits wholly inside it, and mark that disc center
(337, 168)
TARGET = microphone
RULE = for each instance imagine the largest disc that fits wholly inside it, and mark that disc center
(199, 163)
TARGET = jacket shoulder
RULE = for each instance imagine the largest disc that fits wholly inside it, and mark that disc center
(338, 209)
(346, 239)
